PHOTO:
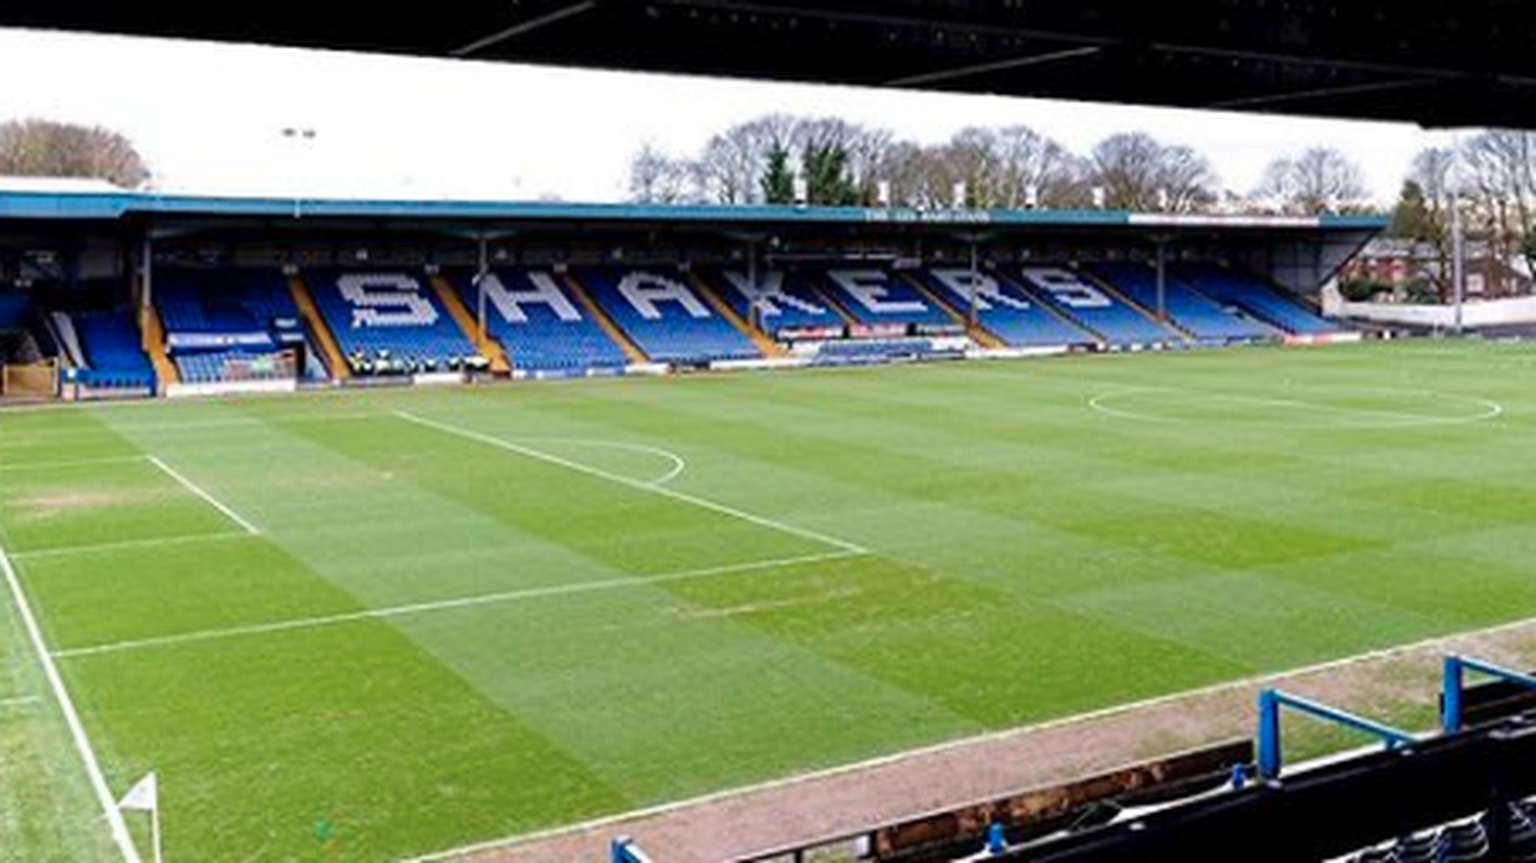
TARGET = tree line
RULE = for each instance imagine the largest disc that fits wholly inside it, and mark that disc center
(1493, 175)
(826, 161)
(43, 148)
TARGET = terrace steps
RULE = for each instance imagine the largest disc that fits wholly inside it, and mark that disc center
(153, 332)
(1107, 287)
(324, 339)
(626, 344)
(1052, 309)
(491, 349)
(978, 333)
(768, 346)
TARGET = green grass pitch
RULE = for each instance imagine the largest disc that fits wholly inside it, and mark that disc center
(474, 613)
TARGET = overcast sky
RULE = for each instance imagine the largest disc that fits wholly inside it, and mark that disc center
(209, 119)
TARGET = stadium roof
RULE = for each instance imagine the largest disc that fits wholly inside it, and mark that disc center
(1471, 62)
(122, 206)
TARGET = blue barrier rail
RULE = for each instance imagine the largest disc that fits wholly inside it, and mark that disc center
(1456, 668)
(1270, 702)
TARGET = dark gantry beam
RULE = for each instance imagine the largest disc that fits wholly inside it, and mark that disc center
(1436, 62)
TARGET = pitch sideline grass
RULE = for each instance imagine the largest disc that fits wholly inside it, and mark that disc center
(1030, 558)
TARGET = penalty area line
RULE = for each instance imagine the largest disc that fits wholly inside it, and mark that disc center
(82, 741)
(630, 482)
(193, 487)
(502, 597)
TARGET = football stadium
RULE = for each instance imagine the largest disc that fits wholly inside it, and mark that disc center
(470, 530)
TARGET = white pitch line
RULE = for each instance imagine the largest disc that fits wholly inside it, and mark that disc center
(212, 501)
(1490, 409)
(678, 463)
(63, 465)
(21, 701)
(502, 597)
(98, 781)
(128, 544)
(760, 521)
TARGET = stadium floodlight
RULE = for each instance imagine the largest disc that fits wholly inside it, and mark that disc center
(305, 135)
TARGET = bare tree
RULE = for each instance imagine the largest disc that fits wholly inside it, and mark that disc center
(1137, 172)
(1015, 166)
(1319, 180)
(42, 148)
(1500, 178)
(733, 163)
(1433, 173)
(859, 149)
(915, 175)
(656, 178)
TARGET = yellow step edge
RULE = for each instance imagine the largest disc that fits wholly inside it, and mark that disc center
(626, 344)
(1105, 286)
(488, 347)
(329, 349)
(152, 332)
(768, 346)
(978, 333)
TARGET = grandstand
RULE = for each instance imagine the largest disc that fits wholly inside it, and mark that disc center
(228, 304)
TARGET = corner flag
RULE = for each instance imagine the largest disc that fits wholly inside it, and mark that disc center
(144, 796)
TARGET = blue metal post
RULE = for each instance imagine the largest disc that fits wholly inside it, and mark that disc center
(1270, 702)
(1269, 734)
(996, 842)
(1450, 696)
(1451, 721)
(616, 850)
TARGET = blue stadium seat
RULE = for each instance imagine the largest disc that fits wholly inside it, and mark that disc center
(1087, 304)
(15, 309)
(377, 312)
(873, 295)
(1463, 841)
(1254, 297)
(780, 300)
(1418, 848)
(113, 350)
(1201, 316)
(665, 316)
(542, 326)
(215, 316)
(1004, 308)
